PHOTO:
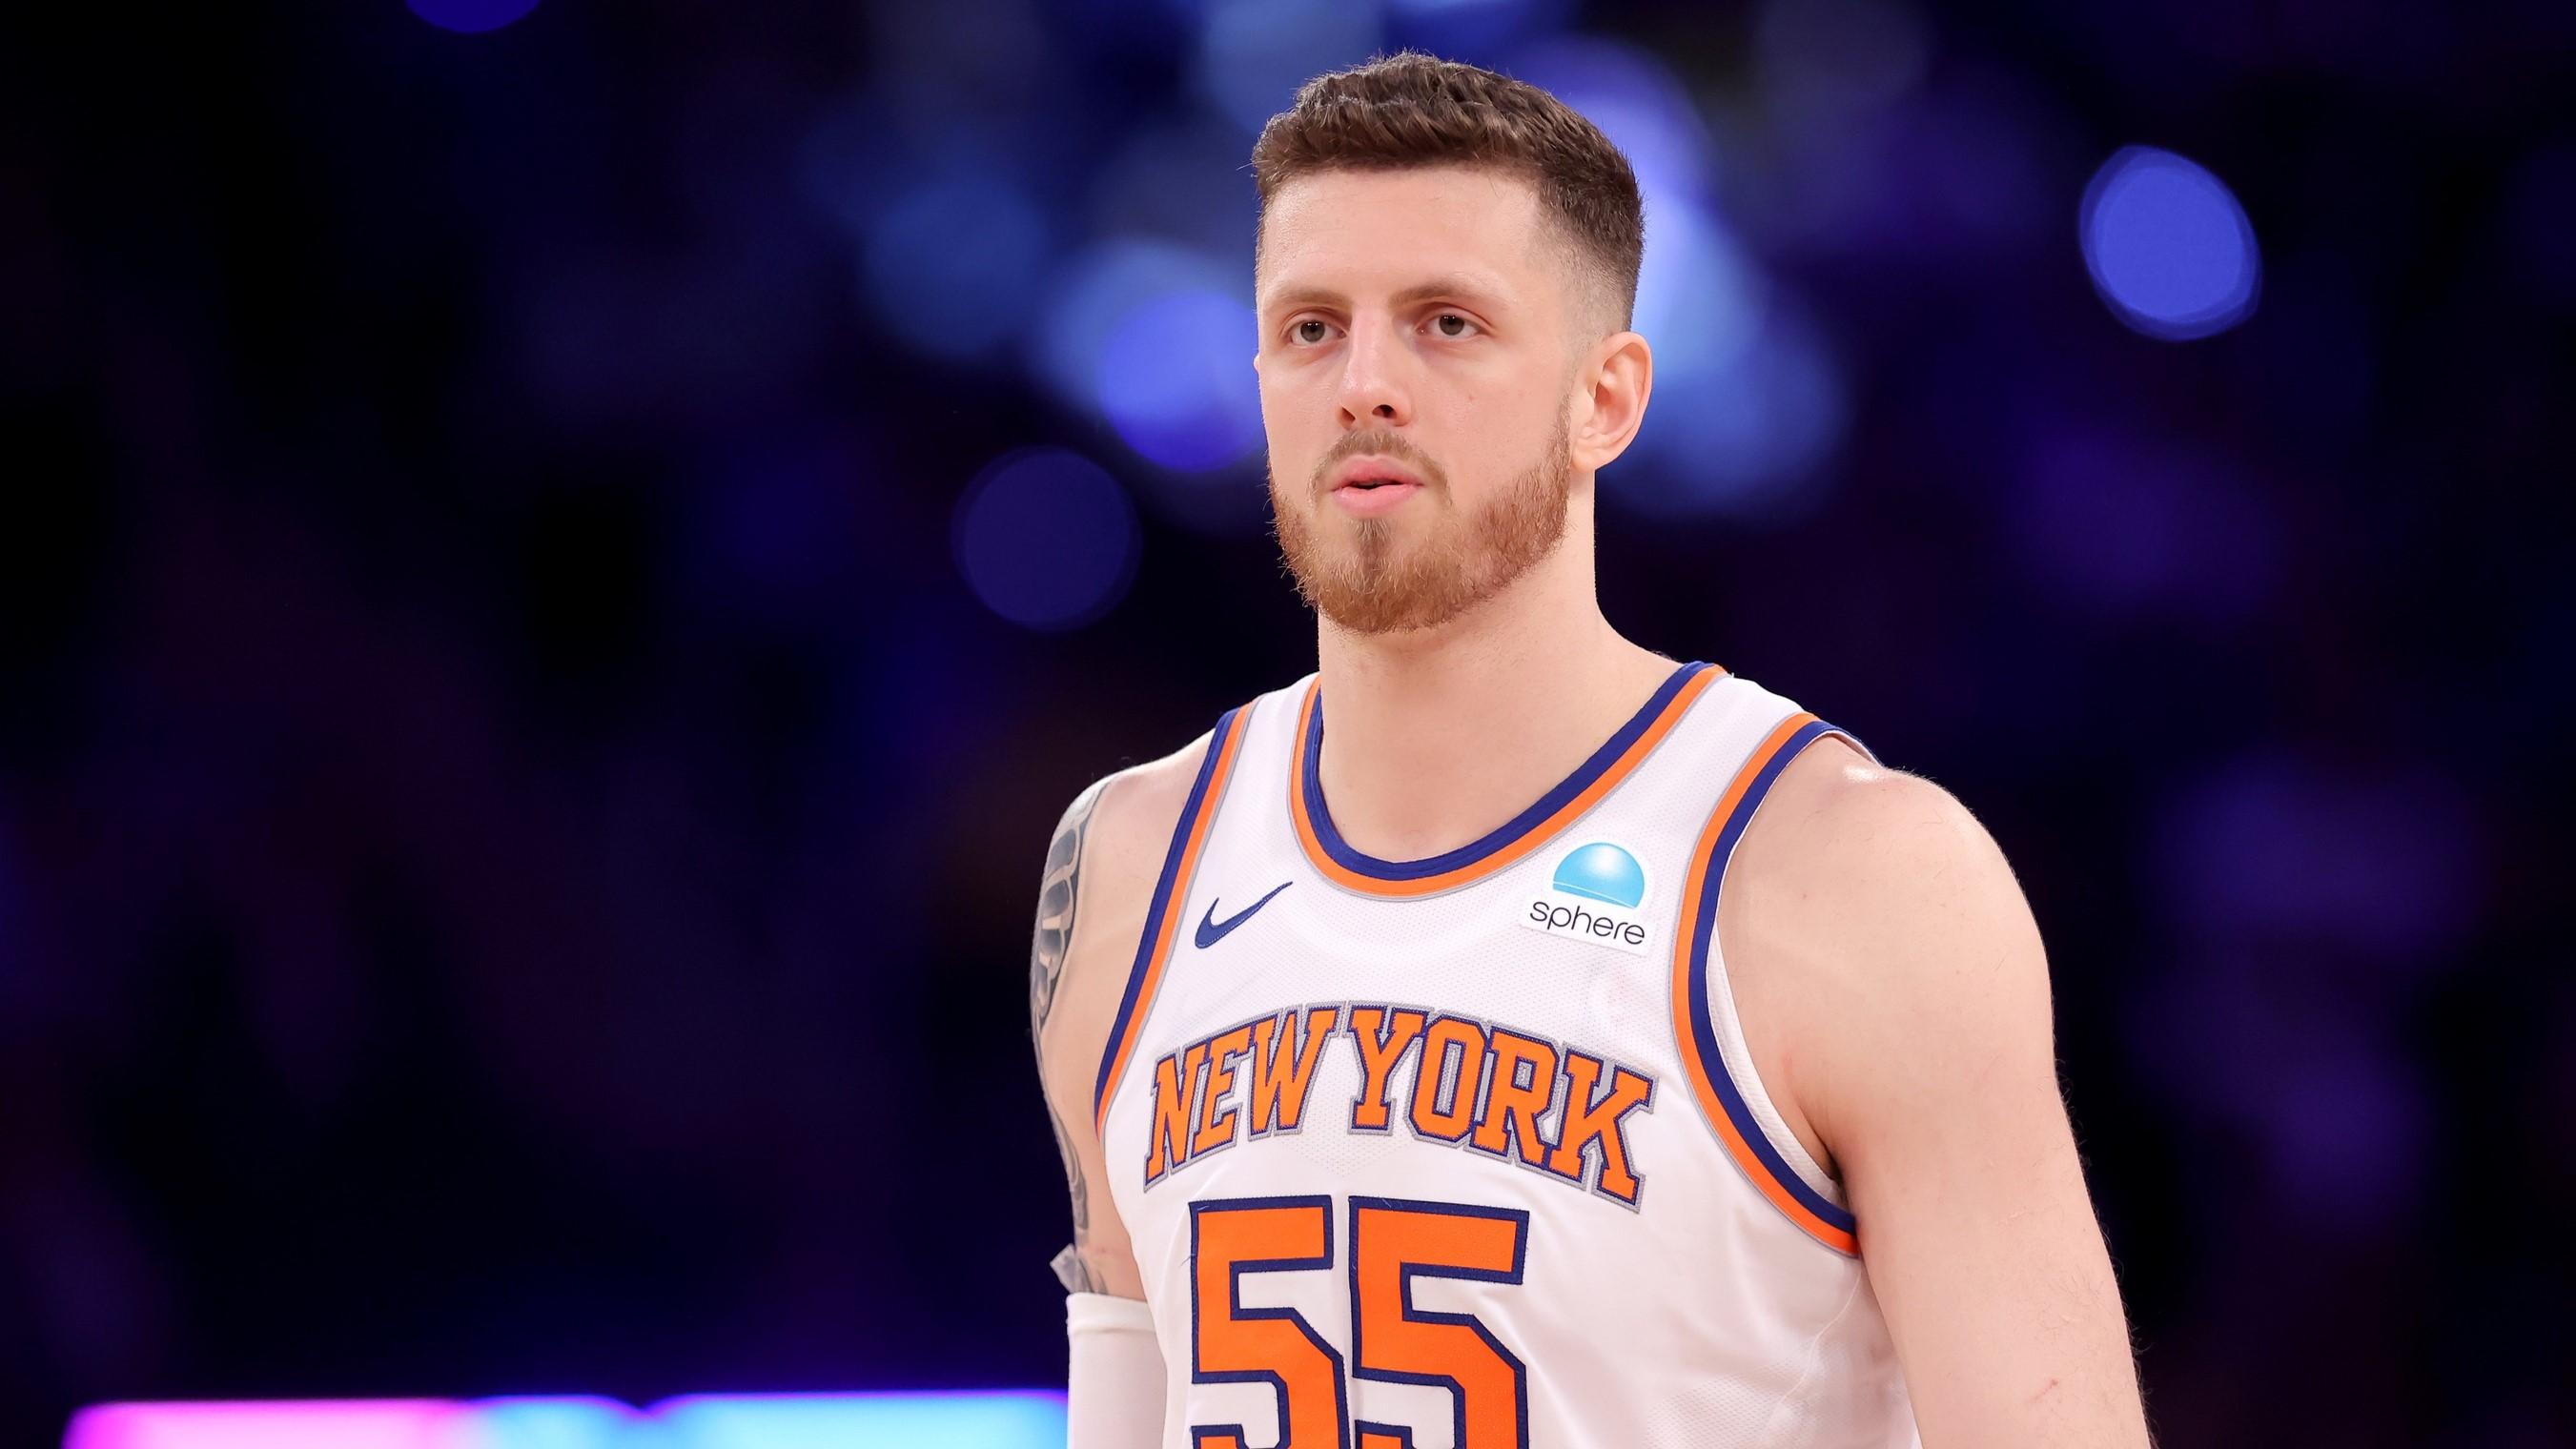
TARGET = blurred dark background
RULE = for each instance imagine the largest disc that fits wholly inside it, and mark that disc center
(528, 729)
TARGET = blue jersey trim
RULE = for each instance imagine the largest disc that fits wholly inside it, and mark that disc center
(1704, 1026)
(1162, 905)
(1501, 836)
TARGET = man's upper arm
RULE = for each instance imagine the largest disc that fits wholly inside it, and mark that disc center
(1929, 1071)
(1092, 900)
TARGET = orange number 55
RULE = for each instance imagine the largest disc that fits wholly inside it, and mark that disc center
(1393, 1241)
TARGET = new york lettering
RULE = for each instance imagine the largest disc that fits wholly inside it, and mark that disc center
(1519, 1098)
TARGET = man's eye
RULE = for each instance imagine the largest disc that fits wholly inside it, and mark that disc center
(1444, 319)
(1299, 331)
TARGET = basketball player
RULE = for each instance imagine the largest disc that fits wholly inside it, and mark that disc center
(1507, 1036)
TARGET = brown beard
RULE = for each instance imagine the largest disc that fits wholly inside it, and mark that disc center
(1377, 584)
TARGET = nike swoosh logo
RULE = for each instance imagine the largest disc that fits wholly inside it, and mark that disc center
(1212, 930)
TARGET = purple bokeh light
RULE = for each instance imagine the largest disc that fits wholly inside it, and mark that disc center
(471, 17)
(982, 1419)
(285, 1424)
(2276, 848)
(1829, 58)
(13, 910)
(2128, 526)
(1046, 539)
(2539, 213)
(2348, 1127)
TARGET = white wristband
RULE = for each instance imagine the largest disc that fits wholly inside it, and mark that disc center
(1114, 1374)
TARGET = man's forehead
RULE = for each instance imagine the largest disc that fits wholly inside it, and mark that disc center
(1341, 236)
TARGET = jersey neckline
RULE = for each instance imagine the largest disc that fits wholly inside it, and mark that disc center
(1347, 866)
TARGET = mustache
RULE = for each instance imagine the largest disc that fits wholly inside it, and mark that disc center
(1383, 445)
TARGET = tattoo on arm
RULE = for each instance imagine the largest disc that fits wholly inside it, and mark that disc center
(1048, 950)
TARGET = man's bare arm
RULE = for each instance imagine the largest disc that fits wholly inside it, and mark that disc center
(1099, 881)
(1059, 896)
(1925, 1063)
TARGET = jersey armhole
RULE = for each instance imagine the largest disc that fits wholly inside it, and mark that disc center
(1714, 1055)
(1171, 889)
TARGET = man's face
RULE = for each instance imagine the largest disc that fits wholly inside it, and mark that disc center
(1414, 325)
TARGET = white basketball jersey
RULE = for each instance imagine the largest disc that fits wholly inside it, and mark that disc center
(1468, 1152)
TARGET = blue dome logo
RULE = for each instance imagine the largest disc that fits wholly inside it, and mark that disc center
(1602, 872)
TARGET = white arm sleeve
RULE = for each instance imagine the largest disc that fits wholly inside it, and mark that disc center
(1114, 1378)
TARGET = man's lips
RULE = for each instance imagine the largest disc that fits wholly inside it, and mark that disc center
(1369, 500)
(1371, 469)
(1369, 485)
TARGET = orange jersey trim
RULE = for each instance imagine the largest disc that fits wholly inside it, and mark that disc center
(1559, 808)
(1171, 893)
(1695, 1029)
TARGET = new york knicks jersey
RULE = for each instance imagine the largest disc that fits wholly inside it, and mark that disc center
(1469, 1151)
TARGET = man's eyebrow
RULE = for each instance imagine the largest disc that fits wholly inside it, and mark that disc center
(1464, 288)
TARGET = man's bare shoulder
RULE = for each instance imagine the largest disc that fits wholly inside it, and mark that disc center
(1852, 860)
(1101, 868)
(1832, 802)
(1137, 810)
(1844, 874)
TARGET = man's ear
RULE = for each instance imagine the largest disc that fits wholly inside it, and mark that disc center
(1612, 385)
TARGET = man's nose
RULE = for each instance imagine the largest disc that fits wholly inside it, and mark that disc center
(1374, 377)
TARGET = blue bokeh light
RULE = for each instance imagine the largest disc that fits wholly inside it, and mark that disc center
(1046, 539)
(1091, 295)
(1153, 338)
(471, 16)
(1750, 440)
(1636, 101)
(1175, 379)
(991, 1420)
(1461, 29)
(567, 1422)
(1254, 54)
(1748, 400)
(954, 263)
(845, 169)
(2168, 246)
(1701, 300)
(779, 523)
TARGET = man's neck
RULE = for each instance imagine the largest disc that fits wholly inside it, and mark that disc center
(1434, 738)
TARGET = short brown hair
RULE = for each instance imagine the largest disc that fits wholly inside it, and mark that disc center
(1410, 109)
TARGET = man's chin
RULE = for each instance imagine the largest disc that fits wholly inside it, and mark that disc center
(1382, 604)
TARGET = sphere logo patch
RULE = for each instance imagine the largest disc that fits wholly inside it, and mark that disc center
(1597, 894)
